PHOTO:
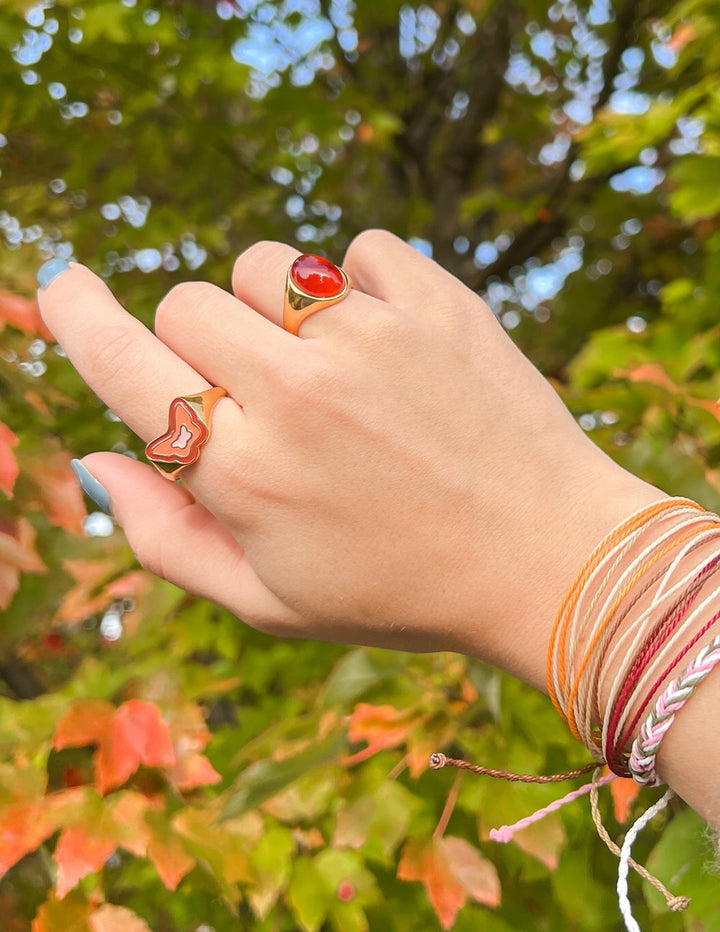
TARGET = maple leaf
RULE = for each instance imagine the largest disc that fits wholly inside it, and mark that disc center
(192, 771)
(23, 828)
(381, 726)
(109, 918)
(651, 372)
(24, 315)
(190, 736)
(624, 792)
(131, 735)
(90, 595)
(17, 555)
(86, 722)
(8, 465)
(71, 914)
(543, 840)
(451, 870)
(78, 853)
(167, 851)
(97, 586)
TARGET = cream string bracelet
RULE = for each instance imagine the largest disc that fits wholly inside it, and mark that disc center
(637, 607)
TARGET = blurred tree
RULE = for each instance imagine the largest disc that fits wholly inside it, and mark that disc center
(561, 159)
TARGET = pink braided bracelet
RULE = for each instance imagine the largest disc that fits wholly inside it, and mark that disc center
(657, 724)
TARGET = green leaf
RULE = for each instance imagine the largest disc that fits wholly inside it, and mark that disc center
(308, 895)
(265, 778)
(353, 675)
(697, 194)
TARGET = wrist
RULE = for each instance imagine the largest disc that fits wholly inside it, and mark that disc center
(560, 530)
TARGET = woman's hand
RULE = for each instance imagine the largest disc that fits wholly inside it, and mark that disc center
(398, 475)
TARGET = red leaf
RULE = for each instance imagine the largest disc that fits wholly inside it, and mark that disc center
(450, 869)
(109, 918)
(624, 793)
(8, 465)
(79, 853)
(24, 315)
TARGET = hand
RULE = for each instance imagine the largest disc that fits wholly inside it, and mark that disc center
(398, 475)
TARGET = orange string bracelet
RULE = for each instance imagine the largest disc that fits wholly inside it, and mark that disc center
(634, 579)
(570, 601)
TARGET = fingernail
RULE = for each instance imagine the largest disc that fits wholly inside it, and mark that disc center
(91, 487)
(48, 272)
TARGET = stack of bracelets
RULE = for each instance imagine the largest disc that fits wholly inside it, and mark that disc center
(643, 602)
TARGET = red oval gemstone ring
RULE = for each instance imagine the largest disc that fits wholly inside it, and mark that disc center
(313, 283)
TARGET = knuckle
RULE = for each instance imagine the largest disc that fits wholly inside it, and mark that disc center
(260, 255)
(369, 243)
(182, 296)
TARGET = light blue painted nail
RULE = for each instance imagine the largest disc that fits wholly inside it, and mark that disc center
(91, 487)
(48, 272)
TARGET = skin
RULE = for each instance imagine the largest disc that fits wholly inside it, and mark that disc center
(399, 474)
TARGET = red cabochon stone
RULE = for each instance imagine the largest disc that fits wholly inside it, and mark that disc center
(317, 276)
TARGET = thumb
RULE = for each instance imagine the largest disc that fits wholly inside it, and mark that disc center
(178, 539)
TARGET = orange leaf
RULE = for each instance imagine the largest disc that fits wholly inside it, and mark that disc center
(87, 722)
(109, 918)
(475, 873)
(192, 771)
(59, 494)
(36, 401)
(79, 853)
(89, 595)
(17, 555)
(190, 735)
(127, 737)
(23, 828)
(543, 840)
(380, 726)
(8, 465)
(426, 863)
(24, 315)
(451, 869)
(623, 793)
(171, 860)
(683, 35)
(651, 372)
(138, 735)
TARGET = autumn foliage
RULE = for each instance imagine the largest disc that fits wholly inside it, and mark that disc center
(162, 766)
